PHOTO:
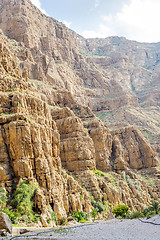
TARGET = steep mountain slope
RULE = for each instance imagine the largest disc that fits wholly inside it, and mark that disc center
(135, 67)
(49, 133)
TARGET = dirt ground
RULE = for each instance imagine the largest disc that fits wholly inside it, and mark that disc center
(114, 229)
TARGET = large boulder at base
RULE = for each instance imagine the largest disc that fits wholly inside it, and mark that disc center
(5, 223)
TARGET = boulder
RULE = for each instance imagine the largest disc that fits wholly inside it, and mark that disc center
(5, 223)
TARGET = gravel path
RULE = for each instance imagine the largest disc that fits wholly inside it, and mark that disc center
(112, 230)
(105, 230)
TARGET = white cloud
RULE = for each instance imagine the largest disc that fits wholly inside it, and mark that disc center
(68, 24)
(38, 5)
(103, 32)
(107, 18)
(91, 34)
(138, 20)
(141, 20)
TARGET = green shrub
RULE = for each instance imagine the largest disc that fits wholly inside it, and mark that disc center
(3, 198)
(23, 200)
(155, 207)
(147, 211)
(99, 173)
(120, 210)
(36, 218)
(80, 196)
(12, 215)
(25, 218)
(54, 217)
(94, 213)
(49, 220)
(135, 214)
(80, 216)
(99, 206)
(152, 210)
(63, 221)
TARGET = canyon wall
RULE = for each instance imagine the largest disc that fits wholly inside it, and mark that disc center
(50, 94)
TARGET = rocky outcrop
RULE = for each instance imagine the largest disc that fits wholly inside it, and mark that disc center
(102, 142)
(131, 149)
(76, 148)
(133, 68)
(5, 224)
(30, 144)
(31, 149)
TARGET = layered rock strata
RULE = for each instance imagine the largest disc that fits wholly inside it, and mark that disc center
(48, 132)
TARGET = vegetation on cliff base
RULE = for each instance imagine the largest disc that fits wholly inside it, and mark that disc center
(120, 210)
(80, 216)
(20, 207)
(123, 211)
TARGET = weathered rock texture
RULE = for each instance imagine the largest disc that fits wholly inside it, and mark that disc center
(77, 150)
(29, 148)
(48, 132)
(132, 68)
(5, 223)
(131, 149)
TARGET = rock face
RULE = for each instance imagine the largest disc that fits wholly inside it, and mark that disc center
(77, 150)
(30, 144)
(132, 69)
(131, 149)
(49, 134)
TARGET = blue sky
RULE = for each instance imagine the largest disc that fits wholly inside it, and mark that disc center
(134, 19)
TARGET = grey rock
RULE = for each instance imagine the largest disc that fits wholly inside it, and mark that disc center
(5, 223)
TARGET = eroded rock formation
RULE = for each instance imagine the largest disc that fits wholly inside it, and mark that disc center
(49, 134)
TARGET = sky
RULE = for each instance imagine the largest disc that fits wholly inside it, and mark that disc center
(134, 19)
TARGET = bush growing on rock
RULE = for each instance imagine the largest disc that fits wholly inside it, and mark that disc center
(155, 207)
(54, 218)
(12, 215)
(63, 221)
(152, 210)
(99, 173)
(135, 214)
(21, 204)
(94, 213)
(80, 216)
(149, 211)
(120, 211)
(3, 198)
(23, 200)
(99, 206)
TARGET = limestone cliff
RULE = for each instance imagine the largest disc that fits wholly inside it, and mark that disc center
(29, 144)
(49, 134)
(134, 66)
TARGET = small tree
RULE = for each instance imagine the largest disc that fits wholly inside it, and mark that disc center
(120, 210)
